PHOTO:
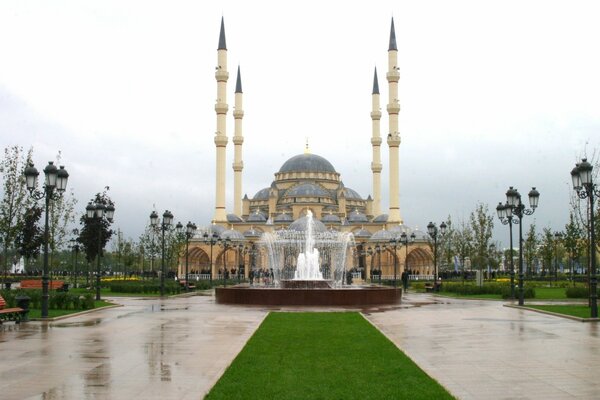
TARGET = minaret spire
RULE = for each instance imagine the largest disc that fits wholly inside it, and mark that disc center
(238, 140)
(221, 107)
(393, 138)
(376, 143)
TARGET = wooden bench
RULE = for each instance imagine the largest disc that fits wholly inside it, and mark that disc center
(37, 284)
(191, 286)
(10, 314)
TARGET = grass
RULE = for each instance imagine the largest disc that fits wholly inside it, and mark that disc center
(323, 356)
(37, 312)
(581, 311)
(541, 293)
(105, 292)
(471, 296)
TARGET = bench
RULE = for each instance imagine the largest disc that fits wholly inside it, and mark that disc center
(37, 284)
(11, 314)
(190, 286)
(429, 287)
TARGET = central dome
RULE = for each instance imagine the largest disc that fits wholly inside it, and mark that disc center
(307, 163)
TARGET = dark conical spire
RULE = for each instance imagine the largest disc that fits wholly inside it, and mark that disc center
(392, 37)
(222, 44)
(238, 82)
(375, 83)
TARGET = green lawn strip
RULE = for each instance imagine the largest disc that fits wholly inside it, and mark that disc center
(104, 292)
(581, 311)
(37, 312)
(544, 293)
(323, 356)
(471, 296)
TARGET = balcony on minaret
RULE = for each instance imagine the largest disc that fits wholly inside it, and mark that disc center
(220, 139)
(221, 75)
(376, 141)
(376, 167)
(221, 108)
(393, 108)
(393, 140)
(238, 140)
(376, 115)
(393, 76)
(238, 114)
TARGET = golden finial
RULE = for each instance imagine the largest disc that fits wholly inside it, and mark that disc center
(306, 149)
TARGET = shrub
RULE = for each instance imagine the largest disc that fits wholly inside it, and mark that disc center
(577, 292)
(528, 292)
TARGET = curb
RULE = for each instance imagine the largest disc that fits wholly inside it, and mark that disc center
(74, 314)
(571, 317)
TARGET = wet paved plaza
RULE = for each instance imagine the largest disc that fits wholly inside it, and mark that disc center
(178, 348)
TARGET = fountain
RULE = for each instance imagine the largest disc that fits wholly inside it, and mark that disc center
(308, 266)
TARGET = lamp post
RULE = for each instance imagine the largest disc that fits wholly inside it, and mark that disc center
(557, 238)
(432, 229)
(164, 226)
(516, 207)
(96, 212)
(492, 250)
(584, 186)
(405, 240)
(75, 247)
(506, 217)
(394, 242)
(226, 243)
(189, 233)
(211, 239)
(54, 186)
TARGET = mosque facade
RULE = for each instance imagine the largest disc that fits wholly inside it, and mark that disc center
(308, 182)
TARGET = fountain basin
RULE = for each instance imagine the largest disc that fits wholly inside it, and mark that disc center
(355, 296)
(305, 284)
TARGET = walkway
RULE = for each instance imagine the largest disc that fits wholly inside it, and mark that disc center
(144, 350)
(177, 349)
(482, 350)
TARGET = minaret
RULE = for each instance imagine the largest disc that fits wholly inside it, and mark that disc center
(221, 108)
(238, 139)
(393, 139)
(376, 143)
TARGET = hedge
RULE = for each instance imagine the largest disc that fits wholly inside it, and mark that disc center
(56, 301)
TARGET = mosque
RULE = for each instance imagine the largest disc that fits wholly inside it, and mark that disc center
(308, 182)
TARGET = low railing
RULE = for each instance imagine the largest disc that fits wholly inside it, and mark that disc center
(420, 277)
(197, 277)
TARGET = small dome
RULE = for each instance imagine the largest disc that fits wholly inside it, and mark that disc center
(381, 218)
(218, 229)
(307, 163)
(382, 235)
(420, 235)
(262, 194)
(256, 216)
(252, 233)
(399, 229)
(284, 217)
(232, 218)
(362, 234)
(301, 223)
(307, 190)
(232, 235)
(356, 217)
(331, 219)
(351, 194)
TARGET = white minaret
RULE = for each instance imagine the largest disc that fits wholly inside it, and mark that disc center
(393, 139)
(238, 140)
(221, 108)
(376, 143)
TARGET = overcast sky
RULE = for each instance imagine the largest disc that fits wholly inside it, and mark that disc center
(492, 94)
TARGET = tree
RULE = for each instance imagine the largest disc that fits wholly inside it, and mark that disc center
(574, 242)
(482, 223)
(530, 248)
(546, 250)
(95, 228)
(31, 237)
(462, 243)
(15, 199)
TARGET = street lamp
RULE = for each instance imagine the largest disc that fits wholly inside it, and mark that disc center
(211, 239)
(97, 212)
(164, 226)
(514, 206)
(55, 179)
(585, 188)
(189, 233)
(506, 217)
(432, 229)
(394, 242)
(405, 240)
(226, 243)
(557, 238)
(75, 247)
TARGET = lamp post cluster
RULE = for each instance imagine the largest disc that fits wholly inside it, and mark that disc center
(404, 240)
(514, 207)
(506, 217)
(96, 212)
(377, 249)
(164, 226)
(54, 186)
(75, 247)
(190, 229)
(585, 188)
(557, 238)
(433, 232)
(211, 239)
